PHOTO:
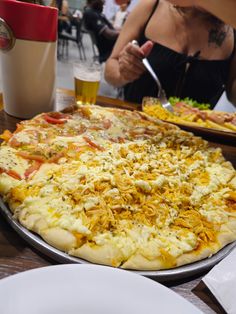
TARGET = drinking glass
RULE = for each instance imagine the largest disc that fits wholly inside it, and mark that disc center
(87, 79)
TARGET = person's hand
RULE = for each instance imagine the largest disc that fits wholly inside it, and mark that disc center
(130, 61)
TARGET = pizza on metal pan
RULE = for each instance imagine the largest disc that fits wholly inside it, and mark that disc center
(119, 188)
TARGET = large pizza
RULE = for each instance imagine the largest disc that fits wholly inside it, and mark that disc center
(119, 188)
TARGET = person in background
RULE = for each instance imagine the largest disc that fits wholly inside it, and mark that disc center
(110, 9)
(104, 32)
(78, 14)
(120, 16)
(192, 52)
(64, 16)
(131, 4)
(76, 19)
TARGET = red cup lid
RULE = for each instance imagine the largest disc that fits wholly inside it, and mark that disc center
(29, 21)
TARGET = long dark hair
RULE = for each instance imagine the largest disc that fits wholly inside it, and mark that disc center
(59, 4)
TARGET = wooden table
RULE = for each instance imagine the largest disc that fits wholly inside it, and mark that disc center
(16, 255)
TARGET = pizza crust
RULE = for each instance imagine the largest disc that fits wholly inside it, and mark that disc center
(195, 256)
(226, 235)
(138, 261)
(231, 225)
(232, 183)
(6, 183)
(59, 238)
(230, 229)
(34, 222)
(107, 254)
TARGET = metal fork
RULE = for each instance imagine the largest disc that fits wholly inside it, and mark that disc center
(161, 92)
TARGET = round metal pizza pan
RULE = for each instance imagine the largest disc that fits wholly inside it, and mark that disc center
(158, 275)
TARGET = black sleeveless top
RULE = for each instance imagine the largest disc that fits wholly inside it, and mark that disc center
(181, 75)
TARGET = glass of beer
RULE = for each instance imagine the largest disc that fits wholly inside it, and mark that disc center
(87, 78)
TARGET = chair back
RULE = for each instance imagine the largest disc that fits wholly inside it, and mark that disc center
(79, 32)
(93, 40)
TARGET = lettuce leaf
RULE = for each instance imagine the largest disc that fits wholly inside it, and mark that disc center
(190, 102)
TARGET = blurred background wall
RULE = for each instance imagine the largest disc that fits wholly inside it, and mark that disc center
(77, 4)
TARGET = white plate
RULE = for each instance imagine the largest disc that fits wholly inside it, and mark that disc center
(87, 289)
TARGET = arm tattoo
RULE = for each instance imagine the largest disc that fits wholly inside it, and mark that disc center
(216, 36)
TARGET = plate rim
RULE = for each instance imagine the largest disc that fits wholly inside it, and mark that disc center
(51, 270)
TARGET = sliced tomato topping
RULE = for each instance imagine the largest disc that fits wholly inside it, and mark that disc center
(56, 117)
(56, 157)
(52, 120)
(121, 139)
(92, 144)
(95, 128)
(117, 140)
(11, 173)
(31, 157)
(106, 123)
(19, 127)
(6, 135)
(14, 142)
(59, 115)
(114, 140)
(34, 167)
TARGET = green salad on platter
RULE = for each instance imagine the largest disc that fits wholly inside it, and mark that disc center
(190, 102)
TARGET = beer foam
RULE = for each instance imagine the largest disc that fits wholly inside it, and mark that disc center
(82, 74)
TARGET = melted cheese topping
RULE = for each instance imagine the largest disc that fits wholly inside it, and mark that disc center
(143, 186)
(10, 161)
